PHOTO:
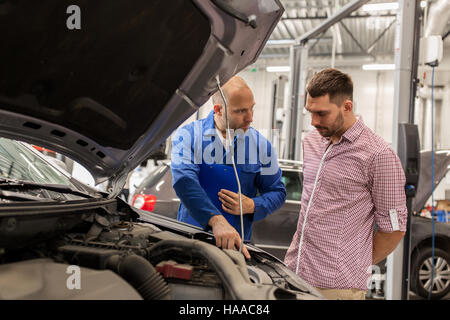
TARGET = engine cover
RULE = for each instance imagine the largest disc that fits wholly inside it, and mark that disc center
(43, 279)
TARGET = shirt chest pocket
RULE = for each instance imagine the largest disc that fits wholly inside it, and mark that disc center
(343, 181)
(247, 178)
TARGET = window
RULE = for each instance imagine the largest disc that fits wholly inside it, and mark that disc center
(19, 163)
(293, 182)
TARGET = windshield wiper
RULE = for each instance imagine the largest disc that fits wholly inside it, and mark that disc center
(11, 195)
(61, 188)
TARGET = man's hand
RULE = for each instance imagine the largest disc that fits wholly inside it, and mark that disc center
(226, 236)
(230, 202)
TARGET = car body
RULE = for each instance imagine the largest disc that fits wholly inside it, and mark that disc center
(274, 233)
(422, 232)
(106, 94)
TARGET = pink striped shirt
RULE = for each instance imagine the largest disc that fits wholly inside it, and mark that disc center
(360, 181)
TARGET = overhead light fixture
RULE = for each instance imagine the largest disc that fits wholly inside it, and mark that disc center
(386, 6)
(278, 69)
(380, 6)
(378, 66)
(280, 42)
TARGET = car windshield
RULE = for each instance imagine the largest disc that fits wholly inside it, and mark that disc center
(17, 162)
(293, 184)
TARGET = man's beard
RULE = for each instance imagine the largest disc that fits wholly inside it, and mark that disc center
(337, 126)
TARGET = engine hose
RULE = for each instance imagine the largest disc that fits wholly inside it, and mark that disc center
(141, 274)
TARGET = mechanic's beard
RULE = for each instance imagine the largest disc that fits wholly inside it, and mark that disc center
(240, 127)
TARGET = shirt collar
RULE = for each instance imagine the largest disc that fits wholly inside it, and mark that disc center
(354, 131)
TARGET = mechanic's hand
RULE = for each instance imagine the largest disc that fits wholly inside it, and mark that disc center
(226, 236)
(230, 202)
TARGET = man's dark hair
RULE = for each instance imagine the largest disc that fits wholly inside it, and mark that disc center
(338, 85)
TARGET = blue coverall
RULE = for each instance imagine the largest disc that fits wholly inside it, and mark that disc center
(195, 172)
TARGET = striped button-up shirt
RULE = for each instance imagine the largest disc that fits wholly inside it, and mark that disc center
(347, 187)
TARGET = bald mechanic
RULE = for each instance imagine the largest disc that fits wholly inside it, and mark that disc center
(200, 162)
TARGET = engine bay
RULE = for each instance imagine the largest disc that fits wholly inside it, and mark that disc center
(155, 260)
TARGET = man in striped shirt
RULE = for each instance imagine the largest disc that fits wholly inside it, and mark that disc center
(352, 179)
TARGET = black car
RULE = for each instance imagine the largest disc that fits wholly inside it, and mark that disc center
(106, 93)
(274, 233)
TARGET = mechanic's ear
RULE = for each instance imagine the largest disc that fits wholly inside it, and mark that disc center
(218, 109)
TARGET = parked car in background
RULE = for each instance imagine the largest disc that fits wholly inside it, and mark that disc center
(421, 232)
(275, 232)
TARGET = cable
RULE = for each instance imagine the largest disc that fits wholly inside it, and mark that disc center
(432, 186)
(228, 145)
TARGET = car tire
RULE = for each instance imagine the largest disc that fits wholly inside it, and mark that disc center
(421, 273)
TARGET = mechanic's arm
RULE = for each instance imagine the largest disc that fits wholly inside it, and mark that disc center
(230, 202)
(195, 199)
(273, 195)
(185, 173)
(389, 198)
(268, 182)
(384, 243)
(226, 236)
(187, 187)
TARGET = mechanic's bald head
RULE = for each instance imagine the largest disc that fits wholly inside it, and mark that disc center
(240, 102)
(232, 89)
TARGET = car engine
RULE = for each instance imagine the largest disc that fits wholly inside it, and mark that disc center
(124, 258)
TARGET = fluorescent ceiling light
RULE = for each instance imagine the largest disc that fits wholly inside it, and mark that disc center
(380, 6)
(386, 6)
(278, 69)
(280, 42)
(378, 66)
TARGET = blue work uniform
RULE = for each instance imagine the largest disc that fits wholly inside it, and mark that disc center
(201, 167)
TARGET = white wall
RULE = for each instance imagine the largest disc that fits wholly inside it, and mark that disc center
(261, 84)
(374, 99)
(373, 96)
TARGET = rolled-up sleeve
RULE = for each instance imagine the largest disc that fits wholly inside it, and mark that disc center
(388, 192)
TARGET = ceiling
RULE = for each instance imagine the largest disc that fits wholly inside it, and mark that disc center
(364, 34)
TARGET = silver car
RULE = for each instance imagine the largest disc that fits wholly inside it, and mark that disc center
(106, 91)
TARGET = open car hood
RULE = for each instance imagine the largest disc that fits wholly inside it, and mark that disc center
(109, 93)
(441, 167)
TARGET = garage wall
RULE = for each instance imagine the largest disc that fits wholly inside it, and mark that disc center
(442, 102)
(373, 97)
